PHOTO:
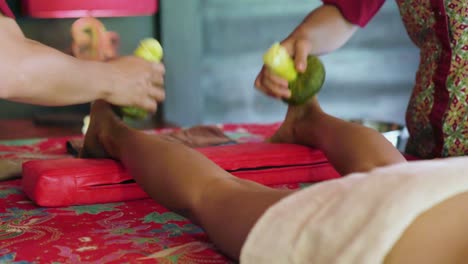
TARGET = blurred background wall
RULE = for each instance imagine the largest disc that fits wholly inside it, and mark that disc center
(214, 52)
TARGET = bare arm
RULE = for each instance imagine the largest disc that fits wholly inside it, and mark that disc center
(34, 73)
(323, 30)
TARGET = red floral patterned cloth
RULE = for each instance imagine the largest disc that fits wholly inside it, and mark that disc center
(138, 231)
(19, 151)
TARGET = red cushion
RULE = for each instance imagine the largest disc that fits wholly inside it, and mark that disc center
(63, 182)
(83, 8)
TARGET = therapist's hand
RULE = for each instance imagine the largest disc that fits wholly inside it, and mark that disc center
(298, 46)
(322, 31)
(137, 83)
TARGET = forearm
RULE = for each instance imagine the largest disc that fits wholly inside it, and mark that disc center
(34, 73)
(47, 77)
(326, 29)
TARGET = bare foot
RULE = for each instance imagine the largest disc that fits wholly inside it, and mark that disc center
(298, 117)
(103, 126)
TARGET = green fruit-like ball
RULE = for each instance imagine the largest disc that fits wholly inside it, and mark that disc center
(134, 112)
(149, 49)
(308, 83)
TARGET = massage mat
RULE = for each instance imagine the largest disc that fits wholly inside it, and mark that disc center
(70, 181)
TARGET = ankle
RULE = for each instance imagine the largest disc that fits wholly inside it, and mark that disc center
(308, 128)
(110, 139)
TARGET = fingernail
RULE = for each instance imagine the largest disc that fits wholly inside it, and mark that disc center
(301, 67)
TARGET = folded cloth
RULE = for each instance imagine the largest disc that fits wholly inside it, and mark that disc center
(355, 219)
(199, 136)
(194, 137)
(11, 163)
(10, 169)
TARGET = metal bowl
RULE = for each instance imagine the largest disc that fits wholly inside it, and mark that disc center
(393, 132)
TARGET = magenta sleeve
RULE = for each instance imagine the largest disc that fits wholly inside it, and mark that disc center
(358, 12)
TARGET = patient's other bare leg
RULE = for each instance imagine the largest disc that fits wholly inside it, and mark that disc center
(349, 147)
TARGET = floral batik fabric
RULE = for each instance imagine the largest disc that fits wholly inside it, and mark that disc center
(437, 114)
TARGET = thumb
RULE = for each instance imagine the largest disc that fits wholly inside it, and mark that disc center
(302, 50)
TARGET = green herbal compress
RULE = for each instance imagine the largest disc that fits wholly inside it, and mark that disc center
(149, 49)
(304, 85)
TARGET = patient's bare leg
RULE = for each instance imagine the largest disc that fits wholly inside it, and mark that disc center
(226, 207)
(182, 179)
(349, 147)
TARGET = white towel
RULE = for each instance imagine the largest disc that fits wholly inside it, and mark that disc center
(356, 219)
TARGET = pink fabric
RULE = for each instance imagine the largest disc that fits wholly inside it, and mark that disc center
(83, 8)
(358, 12)
(4, 9)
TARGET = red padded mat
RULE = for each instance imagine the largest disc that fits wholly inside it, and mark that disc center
(63, 182)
